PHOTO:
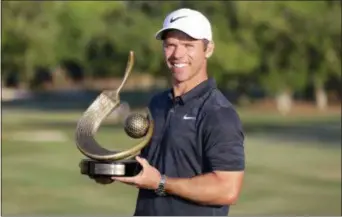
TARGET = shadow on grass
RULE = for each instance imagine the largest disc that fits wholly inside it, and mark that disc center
(74, 100)
(326, 133)
(79, 100)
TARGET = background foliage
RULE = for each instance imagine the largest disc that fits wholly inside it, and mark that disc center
(277, 46)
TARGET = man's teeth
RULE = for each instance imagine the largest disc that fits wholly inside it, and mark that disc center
(180, 65)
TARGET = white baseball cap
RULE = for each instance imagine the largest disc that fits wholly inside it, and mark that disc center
(191, 22)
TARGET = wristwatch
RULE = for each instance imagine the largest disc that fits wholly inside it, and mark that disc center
(160, 191)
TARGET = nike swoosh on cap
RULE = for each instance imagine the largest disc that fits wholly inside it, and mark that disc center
(177, 18)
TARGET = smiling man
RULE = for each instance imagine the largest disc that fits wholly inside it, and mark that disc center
(194, 164)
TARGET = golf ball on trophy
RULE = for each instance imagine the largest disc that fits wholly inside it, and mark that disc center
(136, 125)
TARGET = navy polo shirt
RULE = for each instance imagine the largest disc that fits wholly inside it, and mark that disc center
(196, 133)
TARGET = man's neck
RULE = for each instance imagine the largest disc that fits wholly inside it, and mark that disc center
(180, 88)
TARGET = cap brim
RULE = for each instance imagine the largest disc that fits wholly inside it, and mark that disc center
(160, 33)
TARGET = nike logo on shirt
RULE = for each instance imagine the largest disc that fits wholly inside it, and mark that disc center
(186, 117)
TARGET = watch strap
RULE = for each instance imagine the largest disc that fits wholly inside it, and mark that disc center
(161, 187)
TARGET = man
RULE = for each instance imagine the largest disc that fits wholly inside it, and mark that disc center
(194, 164)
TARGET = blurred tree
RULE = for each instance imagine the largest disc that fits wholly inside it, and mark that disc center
(73, 70)
(79, 32)
(42, 79)
(147, 19)
(320, 39)
(282, 46)
(279, 32)
(28, 35)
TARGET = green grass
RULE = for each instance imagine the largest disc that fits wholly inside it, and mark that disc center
(282, 177)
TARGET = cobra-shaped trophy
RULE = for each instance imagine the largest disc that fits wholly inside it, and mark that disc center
(103, 162)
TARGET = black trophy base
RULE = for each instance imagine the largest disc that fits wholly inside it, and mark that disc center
(109, 169)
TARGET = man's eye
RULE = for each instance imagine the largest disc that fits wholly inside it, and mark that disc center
(169, 45)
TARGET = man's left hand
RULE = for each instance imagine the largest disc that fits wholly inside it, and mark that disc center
(148, 178)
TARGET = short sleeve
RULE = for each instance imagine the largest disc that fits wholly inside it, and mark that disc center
(223, 140)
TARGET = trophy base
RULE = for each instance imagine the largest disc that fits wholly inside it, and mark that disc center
(108, 169)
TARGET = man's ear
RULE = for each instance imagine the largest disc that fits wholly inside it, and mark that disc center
(210, 49)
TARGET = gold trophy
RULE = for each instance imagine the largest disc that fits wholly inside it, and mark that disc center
(103, 162)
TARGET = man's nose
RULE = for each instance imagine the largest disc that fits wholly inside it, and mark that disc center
(179, 52)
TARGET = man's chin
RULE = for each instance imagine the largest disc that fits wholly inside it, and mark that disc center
(179, 79)
(180, 75)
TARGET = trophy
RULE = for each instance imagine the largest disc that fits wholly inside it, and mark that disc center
(106, 163)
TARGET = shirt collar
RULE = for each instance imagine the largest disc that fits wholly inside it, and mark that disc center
(196, 92)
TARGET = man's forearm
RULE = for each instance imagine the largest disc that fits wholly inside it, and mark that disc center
(206, 189)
